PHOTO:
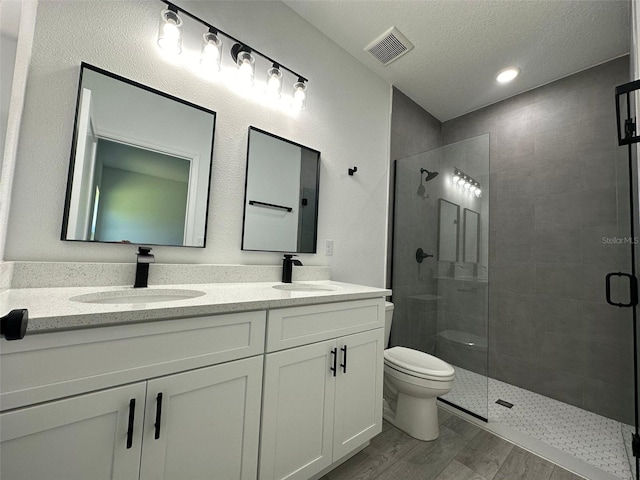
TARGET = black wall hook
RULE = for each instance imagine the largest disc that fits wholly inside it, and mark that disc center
(14, 324)
(353, 170)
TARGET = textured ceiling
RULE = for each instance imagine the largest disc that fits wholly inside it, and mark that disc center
(460, 45)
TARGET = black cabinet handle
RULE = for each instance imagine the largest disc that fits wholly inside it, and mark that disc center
(344, 357)
(334, 352)
(158, 415)
(132, 414)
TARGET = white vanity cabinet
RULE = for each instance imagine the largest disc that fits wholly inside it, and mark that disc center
(77, 438)
(287, 392)
(206, 424)
(317, 407)
(203, 424)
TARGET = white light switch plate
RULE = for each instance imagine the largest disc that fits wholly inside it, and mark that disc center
(328, 248)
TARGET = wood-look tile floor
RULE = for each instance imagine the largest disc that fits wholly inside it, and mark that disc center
(462, 452)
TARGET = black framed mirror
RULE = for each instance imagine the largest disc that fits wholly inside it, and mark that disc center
(140, 165)
(471, 245)
(448, 230)
(281, 195)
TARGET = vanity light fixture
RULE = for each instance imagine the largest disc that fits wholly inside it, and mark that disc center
(246, 62)
(508, 74)
(274, 82)
(300, 94)
(466, 183)
(243, 57)
(211, 51)
(170, 34)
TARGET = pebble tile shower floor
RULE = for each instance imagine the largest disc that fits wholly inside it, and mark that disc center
(590, 437)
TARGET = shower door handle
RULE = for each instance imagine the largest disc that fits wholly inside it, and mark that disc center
(633, 290)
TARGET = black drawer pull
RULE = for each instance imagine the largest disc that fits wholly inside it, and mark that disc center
(158, 415)
(132, 414)
(344, 357)
(334, 352)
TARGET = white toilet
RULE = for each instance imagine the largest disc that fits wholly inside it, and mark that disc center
(412, 381)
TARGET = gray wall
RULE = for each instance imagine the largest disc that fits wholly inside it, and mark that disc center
(413, 131)
(558, 188)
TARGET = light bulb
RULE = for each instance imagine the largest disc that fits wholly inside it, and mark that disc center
(210, 56)
(466, 185)
(478, 192)
(246, 67)
(299, 95)
(455, 179)
(170, 34)
(170, 31)
(274, 82)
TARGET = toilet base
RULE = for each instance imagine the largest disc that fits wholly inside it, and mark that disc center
(418, 417)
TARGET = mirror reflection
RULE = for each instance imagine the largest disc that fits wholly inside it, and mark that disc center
(471, 246)
(140, 165)
(281, 195)
(449, 222)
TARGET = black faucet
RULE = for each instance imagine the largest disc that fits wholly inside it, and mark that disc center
(287, 266)
(142, 267)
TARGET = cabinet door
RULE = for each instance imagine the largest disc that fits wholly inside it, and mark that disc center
(205, 425)
(297, 415)
(77, 438)
(358, 401)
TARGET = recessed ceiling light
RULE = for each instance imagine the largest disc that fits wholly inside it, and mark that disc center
(508, 74)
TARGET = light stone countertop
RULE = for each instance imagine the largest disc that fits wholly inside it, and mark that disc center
(51, 308)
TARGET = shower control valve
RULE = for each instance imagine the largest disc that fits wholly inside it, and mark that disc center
(420, 255)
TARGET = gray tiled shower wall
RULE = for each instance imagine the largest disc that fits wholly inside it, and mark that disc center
(413, 130)
(558, 204)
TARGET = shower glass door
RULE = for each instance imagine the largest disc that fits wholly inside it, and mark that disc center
(628, 104)
(440, 263)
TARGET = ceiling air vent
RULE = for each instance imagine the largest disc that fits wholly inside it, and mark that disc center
(389, 46)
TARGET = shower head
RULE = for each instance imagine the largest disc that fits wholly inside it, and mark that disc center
(430, 175)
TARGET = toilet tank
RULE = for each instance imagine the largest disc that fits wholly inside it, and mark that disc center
(388, 318)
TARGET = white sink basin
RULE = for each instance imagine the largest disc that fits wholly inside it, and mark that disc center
(137, 296)
(304, 287)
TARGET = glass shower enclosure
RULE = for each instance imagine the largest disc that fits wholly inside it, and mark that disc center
(440, 263)
(577, 359)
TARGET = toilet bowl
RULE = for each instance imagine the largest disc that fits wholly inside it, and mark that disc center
(412, 381)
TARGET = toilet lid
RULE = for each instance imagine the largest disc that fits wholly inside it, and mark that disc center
(417, 362)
